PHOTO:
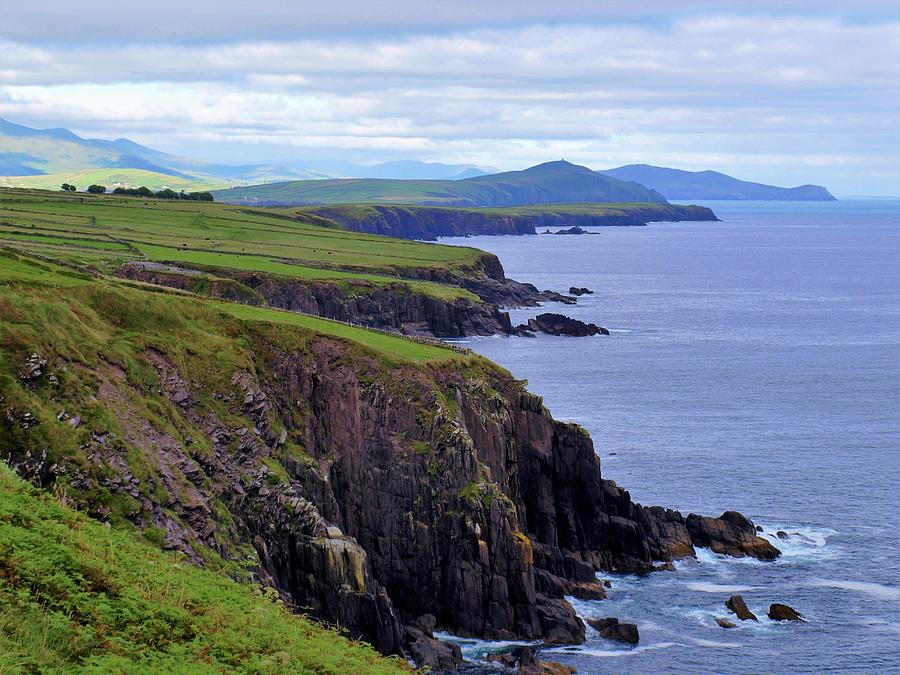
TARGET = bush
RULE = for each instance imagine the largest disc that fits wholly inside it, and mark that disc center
(97, 189)
(67, 187)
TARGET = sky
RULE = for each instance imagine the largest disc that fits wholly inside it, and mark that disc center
(787, 92)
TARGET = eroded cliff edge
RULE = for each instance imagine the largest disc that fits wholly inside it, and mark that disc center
(368, 490)
(431, 222)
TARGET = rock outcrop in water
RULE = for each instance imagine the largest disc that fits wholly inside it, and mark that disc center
(737, 605)
(558, 324)
(778, 612)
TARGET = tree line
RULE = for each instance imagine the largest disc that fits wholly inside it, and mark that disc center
(144, 192)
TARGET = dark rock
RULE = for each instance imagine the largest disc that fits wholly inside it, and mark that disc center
(779, 612)
(737, 605)
(725, 623)
(759, 528)
(575, 290)
(781, 534)
(525, 656)
(574, 230)
(731, 534)
(504, 659)
(602, 624)
(426, 651)
(553, 296)
(558, 324)
(426, 623)
(665, 567)
(612, 629)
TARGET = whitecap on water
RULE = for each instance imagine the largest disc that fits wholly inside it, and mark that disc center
(704, 587)
(869, 588)
(716, 645)
(587, 651)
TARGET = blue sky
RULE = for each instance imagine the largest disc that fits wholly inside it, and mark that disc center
(783, 92)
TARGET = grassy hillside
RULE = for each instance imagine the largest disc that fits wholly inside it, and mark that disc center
(106, 231)
(76, 596)
(550, 183)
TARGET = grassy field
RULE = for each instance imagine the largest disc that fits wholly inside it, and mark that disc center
(113, 177)
(76, 596)
(105, 230)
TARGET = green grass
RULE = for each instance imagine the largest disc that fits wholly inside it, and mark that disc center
(76, 596)
(14, 268)
(264, 264)
(224, 236)
(389, 345)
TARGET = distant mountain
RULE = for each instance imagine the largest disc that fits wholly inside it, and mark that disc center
(551, 183)
(26, 154)
(401, 169)
(29, 152)
(678, 184)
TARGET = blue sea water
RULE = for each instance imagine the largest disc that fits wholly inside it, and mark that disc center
(754, 364)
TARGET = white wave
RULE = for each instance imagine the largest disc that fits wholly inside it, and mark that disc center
(716, 645)
(868, 587)
(587, 651)
(720, 588)
(800, 539)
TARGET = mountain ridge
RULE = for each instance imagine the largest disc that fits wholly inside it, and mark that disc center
(556, 182)
(681, 184)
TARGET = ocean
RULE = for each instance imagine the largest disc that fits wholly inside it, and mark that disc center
(753, 364)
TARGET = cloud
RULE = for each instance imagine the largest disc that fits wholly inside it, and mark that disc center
(212, 21)
(765, 96)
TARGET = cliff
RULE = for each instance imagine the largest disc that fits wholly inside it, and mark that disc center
(396, 307)
(369, 479)
(429, 223)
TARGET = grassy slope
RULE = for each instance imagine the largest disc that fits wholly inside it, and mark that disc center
(28, 286)
(76, 596)
(215, 234)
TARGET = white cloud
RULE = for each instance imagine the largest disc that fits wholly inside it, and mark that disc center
(744, 94)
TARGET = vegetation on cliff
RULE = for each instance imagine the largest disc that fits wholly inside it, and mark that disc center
(76, 596)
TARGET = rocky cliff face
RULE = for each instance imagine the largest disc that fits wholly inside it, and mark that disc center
(429, 223)
(368, 494)
(393, 307)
